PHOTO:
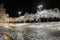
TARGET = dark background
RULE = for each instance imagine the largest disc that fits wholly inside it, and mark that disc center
(13, 6)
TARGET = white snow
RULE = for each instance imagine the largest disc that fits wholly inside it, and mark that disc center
(47, 14)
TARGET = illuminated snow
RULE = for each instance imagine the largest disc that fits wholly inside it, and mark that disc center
(47, 13)
(35, 30)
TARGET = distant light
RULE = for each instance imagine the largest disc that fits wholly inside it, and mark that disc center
(19, 13)
(40, 6)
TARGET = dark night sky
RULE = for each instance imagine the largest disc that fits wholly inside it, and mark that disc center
(13, 6)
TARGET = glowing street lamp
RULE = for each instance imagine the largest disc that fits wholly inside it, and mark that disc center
(40, 6)
(19, 13)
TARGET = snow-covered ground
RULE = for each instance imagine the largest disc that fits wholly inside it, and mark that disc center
(36, 31)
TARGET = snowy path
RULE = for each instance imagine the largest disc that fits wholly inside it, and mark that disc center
(37, 31)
